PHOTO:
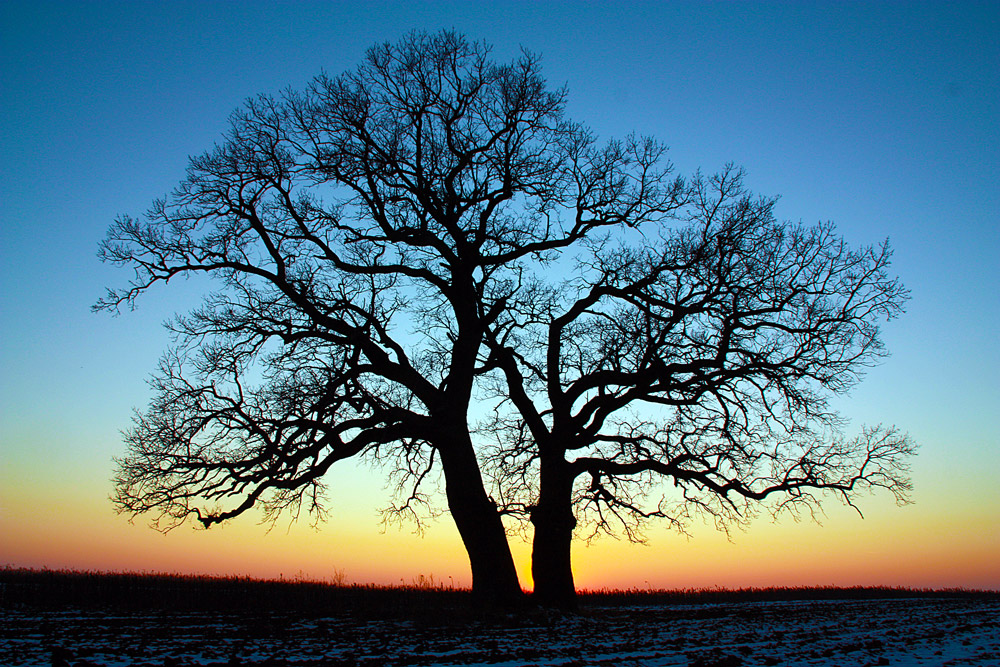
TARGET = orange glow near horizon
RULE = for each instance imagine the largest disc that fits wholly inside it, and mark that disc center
(52, 514)
(905, 547)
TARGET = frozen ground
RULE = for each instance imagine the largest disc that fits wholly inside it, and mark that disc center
(931, 632)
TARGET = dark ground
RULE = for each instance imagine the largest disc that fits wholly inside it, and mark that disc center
(87, 619)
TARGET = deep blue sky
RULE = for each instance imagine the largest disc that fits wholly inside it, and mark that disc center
(882, 117)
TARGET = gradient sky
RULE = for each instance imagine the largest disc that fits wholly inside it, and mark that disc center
(882, 117)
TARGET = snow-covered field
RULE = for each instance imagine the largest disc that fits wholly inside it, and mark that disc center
(928, 632)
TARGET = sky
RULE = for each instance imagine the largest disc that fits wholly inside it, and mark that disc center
(882, 117)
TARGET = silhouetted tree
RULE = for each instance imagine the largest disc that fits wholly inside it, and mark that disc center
(362, 236)
(700, 355)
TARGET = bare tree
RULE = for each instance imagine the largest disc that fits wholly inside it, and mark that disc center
(701, 355)
(362, 235)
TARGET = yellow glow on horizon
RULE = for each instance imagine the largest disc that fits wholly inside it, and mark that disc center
(940, 542)
(897, 547)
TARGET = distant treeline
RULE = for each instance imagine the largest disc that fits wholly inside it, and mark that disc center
(637, 596)
(139, 591)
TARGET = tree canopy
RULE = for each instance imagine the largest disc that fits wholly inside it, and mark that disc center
(394, 245)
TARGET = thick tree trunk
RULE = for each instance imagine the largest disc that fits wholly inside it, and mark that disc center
(494, 578)
(553, 519)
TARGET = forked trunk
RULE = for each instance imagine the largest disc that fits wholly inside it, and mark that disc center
(553, 520)
(494, 578)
